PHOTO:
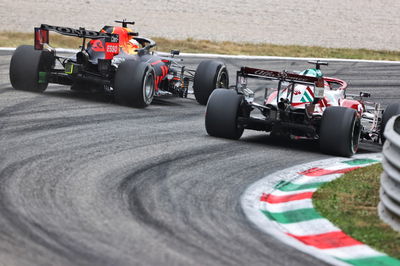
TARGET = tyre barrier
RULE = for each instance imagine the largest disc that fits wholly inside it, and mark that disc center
(389, 205)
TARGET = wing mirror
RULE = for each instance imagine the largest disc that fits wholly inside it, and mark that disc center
(175, 52)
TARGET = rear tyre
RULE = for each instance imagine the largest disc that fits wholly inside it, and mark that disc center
(223, 110)
(134, 84)
(390, 111)
(340, 131)
(209, 75)
(29, 68)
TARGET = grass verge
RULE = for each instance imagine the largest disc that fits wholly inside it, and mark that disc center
(350, 202)
(13, 39)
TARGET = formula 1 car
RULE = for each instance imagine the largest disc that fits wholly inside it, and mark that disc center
(115, 60)
(304, 105)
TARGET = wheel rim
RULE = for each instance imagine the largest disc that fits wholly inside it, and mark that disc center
(222, 79)
(148, 88)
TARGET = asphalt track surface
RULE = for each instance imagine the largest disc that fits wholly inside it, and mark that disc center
(84, 181)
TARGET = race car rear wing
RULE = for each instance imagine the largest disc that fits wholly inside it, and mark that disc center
(317, 83)
(42, 34)
(281, 76)
(81, 32)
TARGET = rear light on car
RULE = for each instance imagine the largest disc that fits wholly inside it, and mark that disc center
(41, 37)
(71, 68)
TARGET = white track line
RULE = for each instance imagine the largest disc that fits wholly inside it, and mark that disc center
(242, 57)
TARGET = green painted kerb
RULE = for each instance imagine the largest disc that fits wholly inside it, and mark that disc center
(360, 161)
(294, 216)
(288, 186)
(374, 261)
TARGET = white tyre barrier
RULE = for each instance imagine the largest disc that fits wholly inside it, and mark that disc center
(389, 205)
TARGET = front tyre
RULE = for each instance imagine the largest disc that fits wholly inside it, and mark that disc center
(340, 131)
(210, 74)
(222, 112)
(29, 68)
(134, 84)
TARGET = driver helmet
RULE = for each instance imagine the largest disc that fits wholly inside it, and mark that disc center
(312, 72)
(134, 43)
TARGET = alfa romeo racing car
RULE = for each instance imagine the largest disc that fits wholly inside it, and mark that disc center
(303, 105)
(115, 60)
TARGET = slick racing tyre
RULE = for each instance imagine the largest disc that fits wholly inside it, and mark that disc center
(209, 75)
(222, 112)
(390, 111)
(134, 84)
(29, 68)
(340, 131)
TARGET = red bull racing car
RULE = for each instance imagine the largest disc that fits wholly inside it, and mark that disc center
(303, 105)
(115, 60)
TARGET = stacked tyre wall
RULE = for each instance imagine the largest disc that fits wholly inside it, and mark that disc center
(389, 206)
